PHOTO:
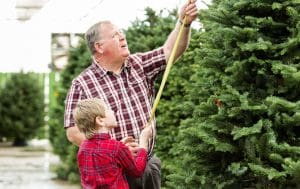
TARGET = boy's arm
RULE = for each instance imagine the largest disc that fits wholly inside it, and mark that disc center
(132, 166)
(131, 144)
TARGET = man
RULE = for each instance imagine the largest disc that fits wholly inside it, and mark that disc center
(126, 83)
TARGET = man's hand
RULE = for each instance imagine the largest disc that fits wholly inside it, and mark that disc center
(146, 134)
(131, 144)
(190, 10)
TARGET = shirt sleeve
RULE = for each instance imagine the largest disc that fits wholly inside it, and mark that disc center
(75, 94)
(153, 62)
(132, 166)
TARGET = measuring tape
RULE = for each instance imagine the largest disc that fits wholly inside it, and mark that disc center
(166, 73)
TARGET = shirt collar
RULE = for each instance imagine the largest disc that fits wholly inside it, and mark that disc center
(127, 63)
(100, 136)
(98, 68)
(102, 71)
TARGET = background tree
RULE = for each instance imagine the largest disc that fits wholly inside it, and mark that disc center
(244, 130)
(21, 108)
(148, 34)
(79, 59)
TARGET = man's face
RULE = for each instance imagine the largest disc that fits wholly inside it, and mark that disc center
(114, 42)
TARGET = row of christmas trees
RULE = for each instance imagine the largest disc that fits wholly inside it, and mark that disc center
(230, 113)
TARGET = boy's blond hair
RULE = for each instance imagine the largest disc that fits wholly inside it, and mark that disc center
(85, 115)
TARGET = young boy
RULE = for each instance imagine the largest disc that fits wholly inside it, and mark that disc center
(103, 161)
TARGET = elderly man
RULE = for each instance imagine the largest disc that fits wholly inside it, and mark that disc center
(126, 83)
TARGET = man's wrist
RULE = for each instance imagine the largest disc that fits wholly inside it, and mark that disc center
(144, 144)
(185, 25)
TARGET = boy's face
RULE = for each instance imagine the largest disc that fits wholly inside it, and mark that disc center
(110, 118)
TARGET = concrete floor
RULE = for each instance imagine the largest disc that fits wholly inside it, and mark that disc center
(29, 167)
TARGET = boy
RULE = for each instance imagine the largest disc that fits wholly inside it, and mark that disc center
(103, 161)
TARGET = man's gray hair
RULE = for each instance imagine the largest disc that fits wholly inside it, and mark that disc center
(93, 35)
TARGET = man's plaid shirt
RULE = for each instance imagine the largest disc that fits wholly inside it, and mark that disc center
(130, 94)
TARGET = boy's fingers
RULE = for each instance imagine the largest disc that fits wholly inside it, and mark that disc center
(132, 144)
(127, 139)
(133, 150)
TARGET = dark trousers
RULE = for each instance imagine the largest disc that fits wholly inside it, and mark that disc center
(151, 177)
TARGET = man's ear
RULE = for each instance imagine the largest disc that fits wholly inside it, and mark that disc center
(98, 47)
(99, 121)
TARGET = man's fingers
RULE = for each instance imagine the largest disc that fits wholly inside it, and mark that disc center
(191, 8)
(192, 13)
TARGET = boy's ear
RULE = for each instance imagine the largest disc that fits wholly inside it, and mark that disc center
(99, 121)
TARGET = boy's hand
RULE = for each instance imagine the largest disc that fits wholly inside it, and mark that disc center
(131, 144)
(127, 139)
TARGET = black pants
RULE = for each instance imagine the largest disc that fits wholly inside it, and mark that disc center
(151, 177)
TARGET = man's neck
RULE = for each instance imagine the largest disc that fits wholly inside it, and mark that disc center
(109, 65)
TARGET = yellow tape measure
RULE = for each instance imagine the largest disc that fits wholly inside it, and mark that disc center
(166, 73)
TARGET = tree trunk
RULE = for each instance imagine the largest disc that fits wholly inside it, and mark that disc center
(19, 142)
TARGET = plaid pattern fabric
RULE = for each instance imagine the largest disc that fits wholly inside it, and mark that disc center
(130, 94)
(103, 162)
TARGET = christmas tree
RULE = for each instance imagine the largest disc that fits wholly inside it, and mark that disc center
(22, 107)
(244, 131)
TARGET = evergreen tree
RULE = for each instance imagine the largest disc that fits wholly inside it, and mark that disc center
(148, 34)
(21, 108)
(244, 130)
(79, 59)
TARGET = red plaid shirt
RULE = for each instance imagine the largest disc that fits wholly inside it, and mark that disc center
(103, 162)
(130, 94)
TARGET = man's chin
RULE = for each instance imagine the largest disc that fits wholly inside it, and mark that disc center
(125, 55)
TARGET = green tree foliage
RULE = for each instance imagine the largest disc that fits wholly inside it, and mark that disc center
(173, 107)
(244, 129)
(79, 59)
(21, 107)
(148, 34)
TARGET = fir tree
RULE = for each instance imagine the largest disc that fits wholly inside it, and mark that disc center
(244, 130)
(21, 108)
(146, 35)
(79, 59)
